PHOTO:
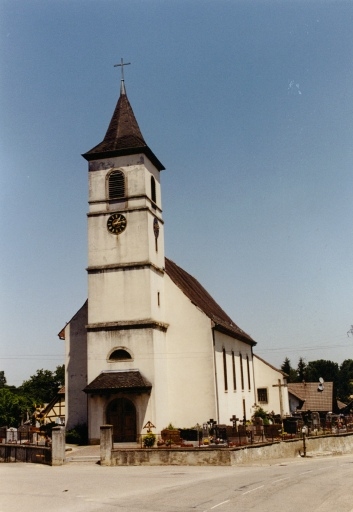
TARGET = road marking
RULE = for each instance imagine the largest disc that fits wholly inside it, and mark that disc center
(251, 490)
(304, 473)
(219, 504)
(281, 480)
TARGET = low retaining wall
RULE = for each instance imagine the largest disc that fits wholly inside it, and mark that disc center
(25, 453)
(53, 455)
(335, 444)
(223, 456)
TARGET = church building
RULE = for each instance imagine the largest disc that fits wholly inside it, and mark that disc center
(149, 344)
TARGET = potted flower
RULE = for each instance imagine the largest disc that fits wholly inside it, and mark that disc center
(149, 440)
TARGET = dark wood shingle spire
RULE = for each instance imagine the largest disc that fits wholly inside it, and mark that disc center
(123, 136)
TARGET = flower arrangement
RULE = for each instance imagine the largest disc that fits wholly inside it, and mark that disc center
(149, 440)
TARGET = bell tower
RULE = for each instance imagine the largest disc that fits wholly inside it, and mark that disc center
(125, 255)
(125, 225)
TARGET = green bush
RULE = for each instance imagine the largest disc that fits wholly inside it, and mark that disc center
(261, 413)
(149, 440)
(77, 435)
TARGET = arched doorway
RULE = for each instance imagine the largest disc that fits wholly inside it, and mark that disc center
(121, 413)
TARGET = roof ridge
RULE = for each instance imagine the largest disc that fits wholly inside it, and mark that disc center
(199, 296)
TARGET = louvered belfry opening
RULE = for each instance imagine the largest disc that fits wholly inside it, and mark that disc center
(116, 185)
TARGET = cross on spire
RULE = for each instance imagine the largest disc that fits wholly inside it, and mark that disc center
(122, 64)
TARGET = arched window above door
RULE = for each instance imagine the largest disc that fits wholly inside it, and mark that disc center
(119, 354)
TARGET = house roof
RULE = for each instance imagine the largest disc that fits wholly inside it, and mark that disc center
(118, 380)
(123, 136)
(203, 300)
(313, 398)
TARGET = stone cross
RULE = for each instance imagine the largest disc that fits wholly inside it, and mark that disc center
(280, 386)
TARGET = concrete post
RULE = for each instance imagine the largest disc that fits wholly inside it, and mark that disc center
(106, 444)
(58, 446)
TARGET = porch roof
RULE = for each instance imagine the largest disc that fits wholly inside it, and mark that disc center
(129, 381)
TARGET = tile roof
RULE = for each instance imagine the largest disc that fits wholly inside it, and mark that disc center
(123, 136)
(119, 380)
(314, 400)
(203, 300)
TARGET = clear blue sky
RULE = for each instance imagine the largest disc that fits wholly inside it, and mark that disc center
(249, 106)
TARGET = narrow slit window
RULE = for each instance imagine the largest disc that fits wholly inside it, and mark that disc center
(234, 374)
(241, 372)
(153, 191)
(225, 370)
(116, 185)
(248, 370)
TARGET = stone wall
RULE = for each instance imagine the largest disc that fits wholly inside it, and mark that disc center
(228, 456)
(38, 454)
(25, 453)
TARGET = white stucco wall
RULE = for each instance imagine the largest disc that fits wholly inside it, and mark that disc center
(231, 400)
(76, 369)
(191, 378)
(266, 376)
(147, 349)
(125, 295)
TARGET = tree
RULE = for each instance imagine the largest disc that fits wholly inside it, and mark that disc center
(345, 384)
(286, 367)
(2, 379)
(13, 408)
(59, 375)
(328, 370)
(44, 385)
(301, 370)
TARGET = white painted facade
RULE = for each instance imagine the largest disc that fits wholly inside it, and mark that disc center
(75, 336)
(274, 382)
(196, 369)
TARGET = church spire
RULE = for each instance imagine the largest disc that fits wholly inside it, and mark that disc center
(123, 136)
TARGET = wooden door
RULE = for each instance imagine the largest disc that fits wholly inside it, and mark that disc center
(121, 413)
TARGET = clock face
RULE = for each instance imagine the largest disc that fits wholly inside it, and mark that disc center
(116, 223)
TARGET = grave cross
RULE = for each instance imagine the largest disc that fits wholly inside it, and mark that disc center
(234, 420)
(280, 386)
(122, 64)
(149, 425)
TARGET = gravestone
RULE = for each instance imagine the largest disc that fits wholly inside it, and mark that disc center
(11, 435)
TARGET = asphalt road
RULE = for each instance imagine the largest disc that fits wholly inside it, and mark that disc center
(312, 484)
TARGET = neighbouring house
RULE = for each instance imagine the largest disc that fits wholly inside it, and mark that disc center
(150, 344)
(54, 411)
(312, 396)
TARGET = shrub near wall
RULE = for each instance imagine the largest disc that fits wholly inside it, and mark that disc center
(77, 435)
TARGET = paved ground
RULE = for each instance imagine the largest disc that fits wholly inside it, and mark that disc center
(311, 485)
